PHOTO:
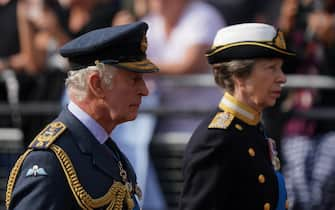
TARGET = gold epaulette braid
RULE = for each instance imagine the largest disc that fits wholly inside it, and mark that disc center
(13, 174)
(114, 198)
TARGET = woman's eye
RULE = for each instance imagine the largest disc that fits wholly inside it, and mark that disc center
(273, 68)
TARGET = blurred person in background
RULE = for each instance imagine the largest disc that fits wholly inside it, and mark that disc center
(132, 10)
(18, 62)
(15, 51)
(230, 162)
(9, 48)
(308, 143)
(310, 30)
(54, 22)
(174, 24)
(10, 93)
(242, 11)
(184, 30)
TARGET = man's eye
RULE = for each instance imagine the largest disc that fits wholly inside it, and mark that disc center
(137, 78)
(134, 79)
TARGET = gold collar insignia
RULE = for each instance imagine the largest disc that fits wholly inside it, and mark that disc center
(240, 110)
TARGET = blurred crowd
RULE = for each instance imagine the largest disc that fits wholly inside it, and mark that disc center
(180, 32)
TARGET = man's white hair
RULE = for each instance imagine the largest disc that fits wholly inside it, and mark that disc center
(77, 82)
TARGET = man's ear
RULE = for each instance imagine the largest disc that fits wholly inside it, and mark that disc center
(95, 85)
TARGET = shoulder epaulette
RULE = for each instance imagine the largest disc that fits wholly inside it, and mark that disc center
(48, 135)
(221, 120)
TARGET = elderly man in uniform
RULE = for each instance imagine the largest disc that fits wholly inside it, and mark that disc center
(229, 162)
(73, 163)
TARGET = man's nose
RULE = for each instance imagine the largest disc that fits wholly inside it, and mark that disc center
(143, 91)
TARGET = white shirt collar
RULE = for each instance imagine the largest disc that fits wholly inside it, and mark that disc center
(91, 124)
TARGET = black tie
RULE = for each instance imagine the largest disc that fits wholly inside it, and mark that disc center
(118, 155)
(117, 152)
(112, 146)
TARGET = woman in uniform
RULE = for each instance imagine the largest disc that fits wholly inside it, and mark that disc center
(230, 163)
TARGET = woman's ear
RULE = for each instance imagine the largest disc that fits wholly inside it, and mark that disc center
(95, 85)
(238, 82)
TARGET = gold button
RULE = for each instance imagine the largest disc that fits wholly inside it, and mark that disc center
(286, 204)
(251, 152)
(238, 127)
(261, 178)
(267, 206)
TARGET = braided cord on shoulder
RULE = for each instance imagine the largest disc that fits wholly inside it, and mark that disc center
(12, 177)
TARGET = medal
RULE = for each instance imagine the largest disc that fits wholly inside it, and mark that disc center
(273, 154)
(138, 192)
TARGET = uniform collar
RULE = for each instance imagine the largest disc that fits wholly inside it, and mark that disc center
(88, 145)
(92, 125)
(240, 110)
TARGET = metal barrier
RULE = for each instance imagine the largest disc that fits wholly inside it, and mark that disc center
(167, 154)
(200, 80)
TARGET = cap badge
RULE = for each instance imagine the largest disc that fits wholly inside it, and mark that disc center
(279, 40)
(144, 44)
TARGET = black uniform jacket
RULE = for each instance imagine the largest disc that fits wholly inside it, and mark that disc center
(72, 171)
(227, 164)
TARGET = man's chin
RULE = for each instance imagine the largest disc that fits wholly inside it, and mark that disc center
(132, 117)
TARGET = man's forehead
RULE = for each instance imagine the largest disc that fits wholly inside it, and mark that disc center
(125, 73)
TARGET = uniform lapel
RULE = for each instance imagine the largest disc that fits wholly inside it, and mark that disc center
(125, 162)
(102, 158)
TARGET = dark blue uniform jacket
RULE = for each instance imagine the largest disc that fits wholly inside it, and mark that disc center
(93, 172)
(228, 164)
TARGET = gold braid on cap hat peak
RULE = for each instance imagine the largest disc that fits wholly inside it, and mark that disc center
(277, 44)
(144, 44)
